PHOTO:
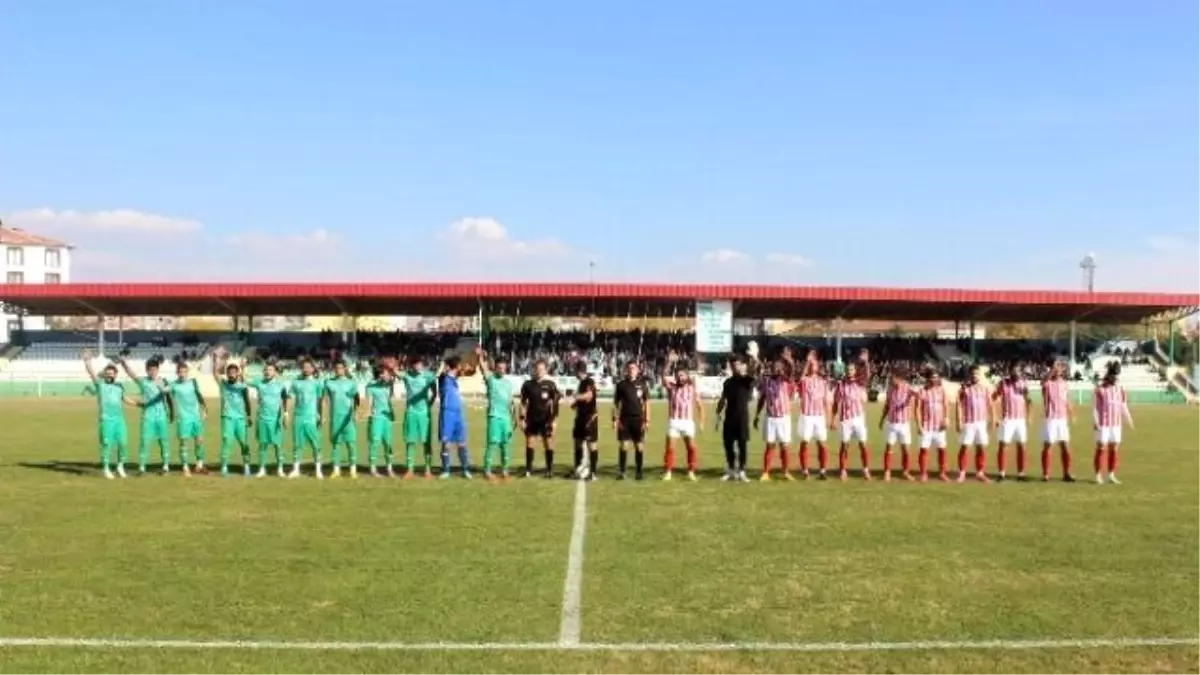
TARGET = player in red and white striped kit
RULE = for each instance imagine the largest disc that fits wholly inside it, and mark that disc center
(849, 400)
(897, 413)
(816, 415)
(1056, 398)
(973, 417)
(1111, 407)
(931, 416)
(775, 394)
(685, 416)
(1013, 393)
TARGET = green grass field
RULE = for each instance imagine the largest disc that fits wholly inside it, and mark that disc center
(680, 577)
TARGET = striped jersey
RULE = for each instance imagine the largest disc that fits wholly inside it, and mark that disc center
(848, 396)
(897, 403)
(931, 408)
(1110, 404)
(681, 400)
(1054, 396)
(778, 394)
(814, 393)
(1012, 395)
(973, 403)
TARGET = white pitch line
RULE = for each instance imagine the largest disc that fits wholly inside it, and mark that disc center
(287, 645)
(569, 629)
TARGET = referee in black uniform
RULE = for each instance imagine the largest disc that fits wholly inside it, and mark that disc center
(585, 431)
(539, 411)
(733, 411)
(631, 415)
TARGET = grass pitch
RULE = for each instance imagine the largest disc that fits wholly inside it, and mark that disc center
(672, 565)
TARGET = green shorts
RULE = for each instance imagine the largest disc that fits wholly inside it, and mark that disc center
(499, 431)
(417, 428)
(233, 429)
(343, 430)
(113, 432)
(269, 432)
(188, 428)
(379, 431)
(154, 429)
(304, 432)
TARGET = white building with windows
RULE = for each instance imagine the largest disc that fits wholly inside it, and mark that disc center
(26, 258)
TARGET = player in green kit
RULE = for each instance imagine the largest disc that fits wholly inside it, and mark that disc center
(501, 414)
(380, 414)
(420, 392)
(110, 396)
(188, 412)
(272, 418)
(306, 393)
(235, 414)
(155, 414)
(341, 397)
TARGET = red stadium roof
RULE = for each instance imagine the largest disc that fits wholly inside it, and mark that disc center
(602, 299)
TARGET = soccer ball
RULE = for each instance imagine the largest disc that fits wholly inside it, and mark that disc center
(582, 472)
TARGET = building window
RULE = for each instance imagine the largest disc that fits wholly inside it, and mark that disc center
(53, 259)
(16, 256)
(53, 278)
(16, 277)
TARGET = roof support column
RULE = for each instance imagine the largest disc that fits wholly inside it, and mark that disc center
(354, 332)
(974, 349)
(100, 334)
(837, 339)
(485, 320)
(1171, 344)
(345, 333)
(1071, 348)
(121, 330)
(249, 330)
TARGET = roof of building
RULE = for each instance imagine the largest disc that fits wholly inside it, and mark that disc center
(15, 236)
(581, 299)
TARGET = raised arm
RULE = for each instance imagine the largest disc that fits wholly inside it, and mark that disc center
(483, 364)
(124, 363)
(87, 364)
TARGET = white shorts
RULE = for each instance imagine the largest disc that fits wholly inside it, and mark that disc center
(1056, 431)
(1107, 435)
(684, 428)
(933, 439)
(854, 430)
(899, 433)
(778, 430)
(813, 427)
(1014, 431)
(974, 433)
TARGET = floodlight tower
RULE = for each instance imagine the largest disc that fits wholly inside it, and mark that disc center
(1088, 265)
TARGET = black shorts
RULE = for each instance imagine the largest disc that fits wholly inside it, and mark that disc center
(586, 430)
(630, 430)
(537, 426)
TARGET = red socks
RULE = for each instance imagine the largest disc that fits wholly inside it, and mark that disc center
(1098, 460)
(905, 463)
(1001, 459)
(942, 460)
(1046, 460)
(1020, 459)
(768, 459)
(803, 456)
(1066, 460)
(669, 457)
(962, 459)
(980, 460)
(864, 455)
(823, 456)
(887, 458)
(923, 460)
(842, 455)
(784, 458)
(691, 456)
(1112, 459)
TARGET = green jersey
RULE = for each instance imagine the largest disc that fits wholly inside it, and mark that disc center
(379, 393)
(499, 397)
(307, 394)
(233, 400)
(110, 396)
(271, 394)
(154, 401)
(341, 392)
(417, 388)
(185, 394)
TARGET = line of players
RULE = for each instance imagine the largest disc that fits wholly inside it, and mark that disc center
(826, 405)
(313, 399)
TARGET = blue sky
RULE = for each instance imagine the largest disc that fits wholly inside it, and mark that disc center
(935, 143)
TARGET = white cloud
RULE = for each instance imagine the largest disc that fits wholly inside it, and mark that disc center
(261, 241)
(486, 238)
(725, 256)
(792, 259)
(74, 223)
